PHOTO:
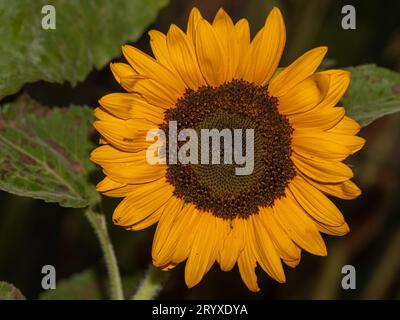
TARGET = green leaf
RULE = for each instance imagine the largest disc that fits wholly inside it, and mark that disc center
(373, 93)
(80, 286)
(44, 153)
(9, 292)
(88, 33)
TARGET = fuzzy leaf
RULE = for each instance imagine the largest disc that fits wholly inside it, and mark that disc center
(44, 152)
(88, 33)
(373, 93)
(80, 286)
(9, 292)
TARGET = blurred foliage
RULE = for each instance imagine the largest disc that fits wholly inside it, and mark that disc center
(9, 292)
(44, 153)
(80, 286)
(373, 93)
(88, 33)
(34, 233)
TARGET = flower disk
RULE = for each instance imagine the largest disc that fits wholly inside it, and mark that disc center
(216, 187)
(213, 76)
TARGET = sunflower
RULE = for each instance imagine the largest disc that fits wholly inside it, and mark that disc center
(215, 76)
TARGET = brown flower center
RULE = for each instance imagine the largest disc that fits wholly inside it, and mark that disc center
(217, 187)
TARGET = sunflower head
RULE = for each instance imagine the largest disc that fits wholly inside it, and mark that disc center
(214, 77)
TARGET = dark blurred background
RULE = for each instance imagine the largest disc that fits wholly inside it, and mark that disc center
(34, 233)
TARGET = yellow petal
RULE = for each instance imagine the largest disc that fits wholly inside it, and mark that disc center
(243, 39)
(123, 70)
(129, 82)
(169, 267)
(128, 105)
(142, 202)
(266, 50)
(293, 263)
(318, 145)
(189, 226)
(220, 232)
(101, 114)
(149, 67)
(102, 140)
(352, 143)
(339, 82)
(108, 154)
(226, 33)
(347, 126)
(125, 75)
(118, 104)
(145, 111)
(296, 72)
(130, 124)
(173, 231)
(125, 165)
(203, 252)
(134, 172)
(147, 221)
(298, 225)
(171, 211)
(233, 245)
(158, 43)
(321, 119)
(210, 54)
(285, 247)
(226, 227)
(117, 134)
(155, 93)
(107, 184)
(194, 18)
(317, 205)
(247, 264)
(334, 230)
(305, 95)
(183, 57)
(345, 190)
(112, 188)
(264, 250)
(127, 135)
(322, 171)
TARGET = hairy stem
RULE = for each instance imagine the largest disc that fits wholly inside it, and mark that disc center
(151, 284)
(99, 225)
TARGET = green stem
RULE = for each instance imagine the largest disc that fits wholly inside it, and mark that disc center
(99, 225)
(151, 284)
